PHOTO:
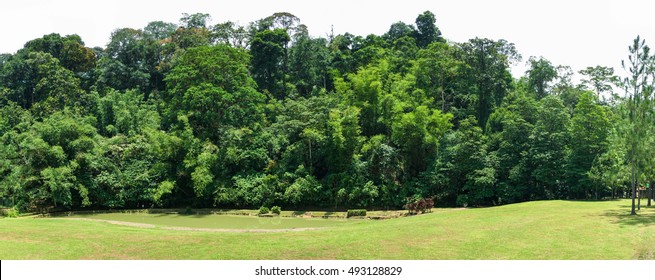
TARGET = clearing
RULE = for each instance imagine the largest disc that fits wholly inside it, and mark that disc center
(531, 230)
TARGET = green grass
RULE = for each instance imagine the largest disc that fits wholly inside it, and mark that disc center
(216, 221)
(533, 230)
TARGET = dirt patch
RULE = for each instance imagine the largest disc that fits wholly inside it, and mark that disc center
(141, 225)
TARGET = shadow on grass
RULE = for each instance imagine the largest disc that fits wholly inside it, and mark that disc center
(644, 217)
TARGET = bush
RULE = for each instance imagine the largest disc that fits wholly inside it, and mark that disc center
(356, 213)
(263, 210)
(9, 212)
(276, 210)
(414, 206)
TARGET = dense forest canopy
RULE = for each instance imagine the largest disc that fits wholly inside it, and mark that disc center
(199, 115)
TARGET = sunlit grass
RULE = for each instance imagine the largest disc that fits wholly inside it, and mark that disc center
(212, 221)
(533, 230)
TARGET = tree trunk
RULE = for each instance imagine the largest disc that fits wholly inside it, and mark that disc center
(443, 101)
(310, 157)
(639, 199)
(650, 192)
(634, 188)
(613, 192)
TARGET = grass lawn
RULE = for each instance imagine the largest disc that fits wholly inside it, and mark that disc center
(212, 221)
(532, 230)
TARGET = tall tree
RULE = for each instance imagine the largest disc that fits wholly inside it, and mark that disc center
(309, 60)
(213, 102)
(600, 79)
(638, 88)
(589, 132)
(69, 50)
(441, 74)
(159, 30)
(230, 33)
(541, 72)
(132, 61)
(268, 50)
(489, 72)
(38, 81)
(427, 31)
(417, 135)
(197, 20)
(399, 30)
(549, 148)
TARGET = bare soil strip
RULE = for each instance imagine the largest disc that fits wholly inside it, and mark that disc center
(141, 225)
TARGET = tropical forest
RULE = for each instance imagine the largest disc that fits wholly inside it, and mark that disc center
(231, 116)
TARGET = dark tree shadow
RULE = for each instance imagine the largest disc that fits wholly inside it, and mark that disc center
(621, 216)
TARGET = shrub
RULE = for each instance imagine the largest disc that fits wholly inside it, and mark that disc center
(356, 213)
(414, 206)
(10, 212)
(276, 210)
(263, 210)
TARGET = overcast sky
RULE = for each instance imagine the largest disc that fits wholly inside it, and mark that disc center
(566, 32)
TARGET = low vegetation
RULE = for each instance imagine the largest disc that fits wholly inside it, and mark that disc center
(356, 213)
(263, 210)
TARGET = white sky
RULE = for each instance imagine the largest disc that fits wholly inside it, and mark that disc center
(566, 32)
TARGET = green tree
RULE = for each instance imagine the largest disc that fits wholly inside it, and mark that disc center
(230, 33)
(427, 32)
(37, 81)
(541, 72)
(49, 159)
(159, 30)
(610, 171)
(399, 30)
(638, 88)
(471, 172)
(365, 90)
(417, 135)
(402, 55)
(489, 72)
(192, 32)
(213, 103)
(589, 132)
(549, 148)
(132, 59)
(197, 20)
(441, 74)
(510, 127)
(309, 60)
(269, 57)
(600, 79)
(69, 50)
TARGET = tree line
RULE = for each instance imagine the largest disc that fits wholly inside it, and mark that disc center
(200, 115)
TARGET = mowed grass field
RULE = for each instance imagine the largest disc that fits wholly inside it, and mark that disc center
(532, 230)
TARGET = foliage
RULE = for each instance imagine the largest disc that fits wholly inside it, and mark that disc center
(263, 210)
(422, 205)
(10, 212)
(356, 213)
(196, 114)
(541, 72)
(275, 210)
